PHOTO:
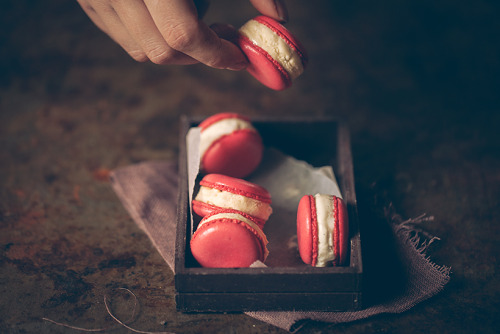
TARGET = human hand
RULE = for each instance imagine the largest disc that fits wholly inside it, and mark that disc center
(171, 31)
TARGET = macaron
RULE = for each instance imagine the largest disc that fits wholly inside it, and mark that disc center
(219, 191)
(322, 230)
(228, 239)
(230, 145)
(275, 56)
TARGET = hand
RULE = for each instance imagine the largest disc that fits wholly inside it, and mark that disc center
(171, 31)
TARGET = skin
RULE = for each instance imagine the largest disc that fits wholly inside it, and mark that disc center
(171, 32)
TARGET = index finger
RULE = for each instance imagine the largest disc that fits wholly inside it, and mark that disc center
(179, 25)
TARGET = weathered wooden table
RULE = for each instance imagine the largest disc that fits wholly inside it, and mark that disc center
(417, 83)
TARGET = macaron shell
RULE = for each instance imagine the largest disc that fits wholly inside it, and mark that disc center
(237, 154)
(226, 243)
(306, 229)
(204, 209)
(263, 67)
(342, 237)
(236, 186)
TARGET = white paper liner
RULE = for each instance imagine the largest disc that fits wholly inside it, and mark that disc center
(193, 164)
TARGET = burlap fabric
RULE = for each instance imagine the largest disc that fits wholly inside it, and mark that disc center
(397, 272)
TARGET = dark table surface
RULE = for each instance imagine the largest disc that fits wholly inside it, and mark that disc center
(416, 81)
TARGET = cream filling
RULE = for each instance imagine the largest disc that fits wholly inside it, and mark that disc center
(247, 221)
(221, 128)
(274, 45)
(326, 223)
(225, 199)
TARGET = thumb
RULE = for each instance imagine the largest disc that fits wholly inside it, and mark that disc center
(272, 8)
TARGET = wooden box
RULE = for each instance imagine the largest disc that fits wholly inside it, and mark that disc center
(318, 141)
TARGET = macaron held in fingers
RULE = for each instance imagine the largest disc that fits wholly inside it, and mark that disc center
(276, 57)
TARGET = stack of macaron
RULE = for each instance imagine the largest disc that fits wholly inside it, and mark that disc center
(234, 213)
(233, 210)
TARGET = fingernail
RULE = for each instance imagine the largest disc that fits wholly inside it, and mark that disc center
(281, 10)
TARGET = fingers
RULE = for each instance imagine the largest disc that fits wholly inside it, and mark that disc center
(138, 21)
(106, 18)
(129, 23)
(273, 8)
(167, 32)
(178, 23)
(91, 13)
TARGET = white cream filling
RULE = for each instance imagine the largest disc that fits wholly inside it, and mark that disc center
(221, 128)
(225, 199)
(326, 224)
(274, 45)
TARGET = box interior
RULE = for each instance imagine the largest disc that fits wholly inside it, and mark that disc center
(319, 142)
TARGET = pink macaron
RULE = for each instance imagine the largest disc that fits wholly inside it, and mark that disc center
(322, 230)
(275, 56)
(230, 145)
(228, 239)
(219, 191)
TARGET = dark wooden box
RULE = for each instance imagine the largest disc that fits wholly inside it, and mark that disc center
(323, 141)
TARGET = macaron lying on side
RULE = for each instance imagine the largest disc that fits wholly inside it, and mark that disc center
(275, 56)
(230, 145)
(219, 191)
(322, 230)
(228, 239)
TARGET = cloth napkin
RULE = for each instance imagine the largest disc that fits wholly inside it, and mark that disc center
(397, 272)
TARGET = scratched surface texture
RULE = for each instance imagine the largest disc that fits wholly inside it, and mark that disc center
(416, 81)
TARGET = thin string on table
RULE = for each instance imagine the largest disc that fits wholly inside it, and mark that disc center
(112, 316)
